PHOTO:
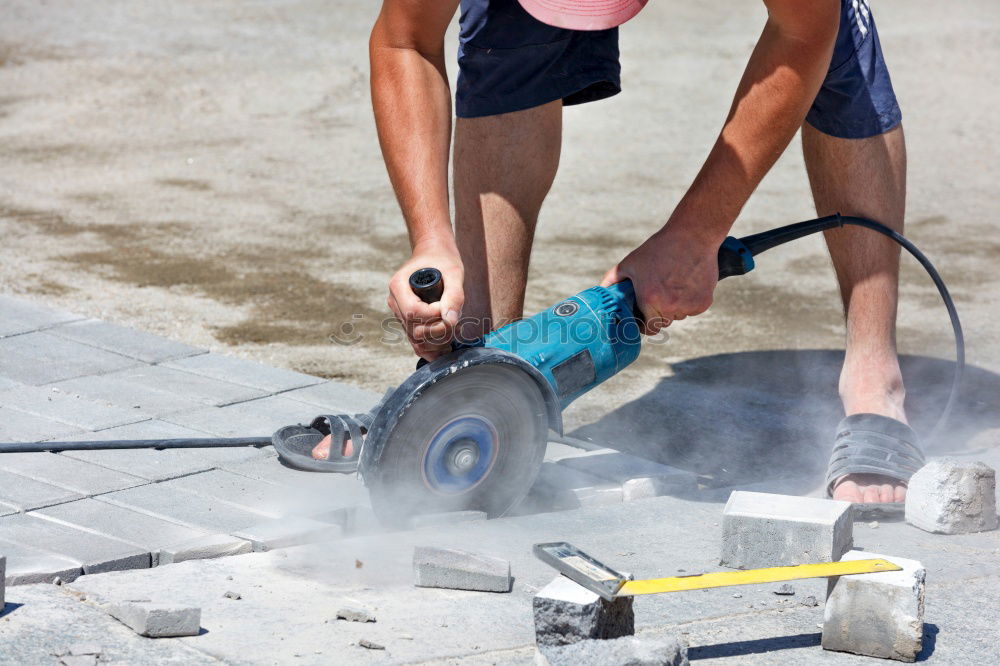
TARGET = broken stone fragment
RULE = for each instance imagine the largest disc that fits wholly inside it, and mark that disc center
(566, 612)
(949, 496)
(460, 570)
(767, 530)
(233, 595)
(157, 620)
(355, 614)
(785, 590)
(876, 614)
(365, 643)
(625, 651)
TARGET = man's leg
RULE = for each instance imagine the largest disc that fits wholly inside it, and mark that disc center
(504, 167)
(867, 178)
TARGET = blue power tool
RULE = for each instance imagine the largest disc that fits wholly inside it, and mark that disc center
(468, 431)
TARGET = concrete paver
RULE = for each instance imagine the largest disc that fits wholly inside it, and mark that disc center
(76, 475)
(17, 426)
(336, 398)
(241, 371)
(203, 548)
(184, 507)
(139, 345)
(26, 493)
(23, 316)
(116, 389)
(96, 553)
(288, 531)
(40, 358)
(205, 390)
(73, 409)
(27, 564)
(253, 417)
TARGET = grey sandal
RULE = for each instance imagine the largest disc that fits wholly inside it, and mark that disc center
(873, 444)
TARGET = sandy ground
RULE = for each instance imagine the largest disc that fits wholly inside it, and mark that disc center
(209, 171)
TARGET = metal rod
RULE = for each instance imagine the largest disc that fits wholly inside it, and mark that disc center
(203, 443)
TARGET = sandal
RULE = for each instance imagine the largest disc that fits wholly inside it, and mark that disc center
(295, 443)
(874, 444)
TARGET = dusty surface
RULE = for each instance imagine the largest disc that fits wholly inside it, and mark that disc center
(209, 171)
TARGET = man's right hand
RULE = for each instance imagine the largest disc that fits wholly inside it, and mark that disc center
(429, 327)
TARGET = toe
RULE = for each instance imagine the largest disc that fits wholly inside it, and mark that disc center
(870, 494)
(847, 491)
(885, 492)
(322, 450)
(900, 494)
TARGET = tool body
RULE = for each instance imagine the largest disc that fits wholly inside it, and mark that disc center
(469, 430)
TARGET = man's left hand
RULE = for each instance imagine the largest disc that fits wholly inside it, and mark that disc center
(674, 274)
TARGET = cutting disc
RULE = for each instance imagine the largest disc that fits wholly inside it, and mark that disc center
(473, 439)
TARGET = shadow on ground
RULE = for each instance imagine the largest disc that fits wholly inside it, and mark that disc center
(753, 416)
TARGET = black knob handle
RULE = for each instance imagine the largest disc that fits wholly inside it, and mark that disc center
(427, 284)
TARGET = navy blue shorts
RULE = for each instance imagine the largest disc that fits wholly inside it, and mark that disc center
(509, 61)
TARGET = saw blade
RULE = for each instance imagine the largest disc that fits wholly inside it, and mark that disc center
(472, 439)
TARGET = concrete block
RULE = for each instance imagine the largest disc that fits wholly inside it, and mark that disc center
(460, 570)
(267, 499)
(336, 396)
(27, 565)
(157, 620)
(449, 518)
(76, 475)
(198, 388)
(764, 530)
(27, 494)
(639, 478)
(69, 408)
(139, 345)
(19, 316)
(288, 531)
(876, 615)
(951, 496)
(624, 651)
(18, 426)
(182, 507)
(115, 389)
(263, 415)
(139, 529)
(204, 548)
(95, 552)
(558, 488)
(241, 371)
(566, 612)
(41, 358)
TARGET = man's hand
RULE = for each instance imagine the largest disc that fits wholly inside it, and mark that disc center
(429, 326)
(674, 274)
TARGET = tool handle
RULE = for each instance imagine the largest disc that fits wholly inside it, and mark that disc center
(427, 284)
(734, 258)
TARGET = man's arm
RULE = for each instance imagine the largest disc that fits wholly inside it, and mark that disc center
(412, 104)
(675, 271)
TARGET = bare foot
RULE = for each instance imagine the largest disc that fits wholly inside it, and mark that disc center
(869, 488)
(322, 450)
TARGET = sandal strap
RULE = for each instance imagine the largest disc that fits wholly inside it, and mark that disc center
(874, 444)
(341, 427)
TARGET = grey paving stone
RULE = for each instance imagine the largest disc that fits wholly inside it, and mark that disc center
(146, 401)
(566, 613)
(639, 478)
(139, 529)
(952, 496)
(765, 530)
(7, 509)
(96, 553)
(236, 490)
(201, 389)
(336, 397)
(156, 465)
(27, 494)
(876, 615)
(559, 488)
(288, 531)
(254, 417)
(27, 565)
(183, 507)
(17, 426)
(334, 490)
(22, 316)
(241, 371)
(69, 408)
(455, 569)
(157, 620)
(204, 548)
(139, 345)
(41, 358)
(75, 475)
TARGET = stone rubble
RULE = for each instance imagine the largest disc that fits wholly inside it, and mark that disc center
(566, 612)
(355, 614)
(460, 570)
(949, 496)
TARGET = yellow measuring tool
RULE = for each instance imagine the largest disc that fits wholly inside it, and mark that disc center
(605, 581)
